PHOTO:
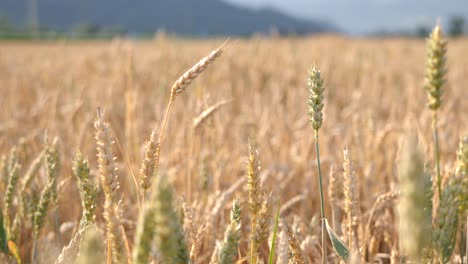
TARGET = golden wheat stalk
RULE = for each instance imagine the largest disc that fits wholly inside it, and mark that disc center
(148, 164)
(116, 238)
(197, 121)
(258, 204)
(351, 195)
(182, 83)
(70, 252)
(297, 255)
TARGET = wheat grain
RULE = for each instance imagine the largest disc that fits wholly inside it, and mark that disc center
(297, 256)
(315, 84)
(181, 84)
(110, 184)
(435, 67)
(148, 165)
(351, 196)
(70, 252)
(227, 250)
(200, 119)
(258, 204)
(88, 190)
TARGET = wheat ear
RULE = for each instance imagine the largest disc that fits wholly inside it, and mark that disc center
(315, 85)
(182, 83)
(351, 195)
(88, 190)
(148, 164)
(260, 212)
(49, 194)
(200, 119)
(462, 170)
(435, 72)
(70, 252)
(228, 248)
(110, 184)
(146, 229)
(446, 222)
(297, 256)
(169, 235)
(415, 218)
(13, 174)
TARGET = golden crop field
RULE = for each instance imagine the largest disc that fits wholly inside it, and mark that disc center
(170, 201)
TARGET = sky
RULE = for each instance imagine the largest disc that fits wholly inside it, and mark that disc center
(367, 16)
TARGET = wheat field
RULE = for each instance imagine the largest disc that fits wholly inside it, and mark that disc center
(238, 136)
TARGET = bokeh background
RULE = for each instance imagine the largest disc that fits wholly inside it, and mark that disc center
(60, 60)
(202, 18)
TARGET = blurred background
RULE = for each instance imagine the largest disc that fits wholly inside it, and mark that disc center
(51, 19)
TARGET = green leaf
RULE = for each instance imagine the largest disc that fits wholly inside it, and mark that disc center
(273, 241)
(3, 235)
(338, 245)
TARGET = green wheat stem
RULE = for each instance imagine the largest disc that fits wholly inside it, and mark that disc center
(33, 255)
(322, 205)
(436, 153)
(466, 244)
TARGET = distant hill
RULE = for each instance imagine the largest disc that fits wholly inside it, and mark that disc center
(187, 17)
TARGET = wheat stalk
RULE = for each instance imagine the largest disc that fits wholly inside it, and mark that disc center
(70, 252)
(282, 248)
(227, 250)
(351, 195)
(382, 202)
(146, 229)
(315, 85)
(415, 219)
(446, 222)
(333, 192)
(260, 211)
(169, 235)
(435, 72)
(40, 212)
(32, 170)
(148, 164)
(200, 119)
(13, 174)
(49, 194)
(88, 190)
(462, 171)
(182, 83)
(110, 184)
(297, 256)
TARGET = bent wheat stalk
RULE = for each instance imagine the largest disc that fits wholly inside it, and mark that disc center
(183, 82)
